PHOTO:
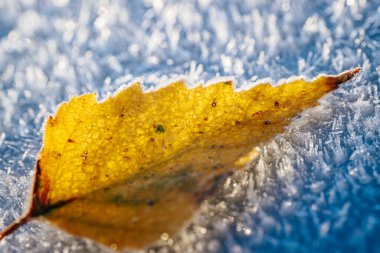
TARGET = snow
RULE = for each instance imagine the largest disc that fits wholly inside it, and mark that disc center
(315, 188)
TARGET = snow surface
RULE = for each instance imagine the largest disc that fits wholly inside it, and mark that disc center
(316, 188)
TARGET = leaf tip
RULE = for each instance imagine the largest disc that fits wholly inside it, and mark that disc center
(335, 81)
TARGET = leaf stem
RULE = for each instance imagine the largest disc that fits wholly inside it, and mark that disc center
(15, 225)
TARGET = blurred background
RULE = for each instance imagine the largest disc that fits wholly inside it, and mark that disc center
(316, 188)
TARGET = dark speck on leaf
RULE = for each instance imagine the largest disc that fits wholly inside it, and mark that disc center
(117, 199)
(70, 140)
(257, 113)
(160, 129)
(217, 166)
(267, 122)
(84, 156)
(276, 103)
(150, 202)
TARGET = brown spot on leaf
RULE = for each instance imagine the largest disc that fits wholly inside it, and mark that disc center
(51, 121)
(84, 156)
(257, 113)
(150, 202)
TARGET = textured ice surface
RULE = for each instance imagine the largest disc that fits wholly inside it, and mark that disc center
(315, 188)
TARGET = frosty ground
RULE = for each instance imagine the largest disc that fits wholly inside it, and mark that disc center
(315, 188)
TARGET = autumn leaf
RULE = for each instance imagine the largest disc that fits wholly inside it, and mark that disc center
(137, 165)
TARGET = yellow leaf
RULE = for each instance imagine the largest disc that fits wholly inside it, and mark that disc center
(137, 165)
